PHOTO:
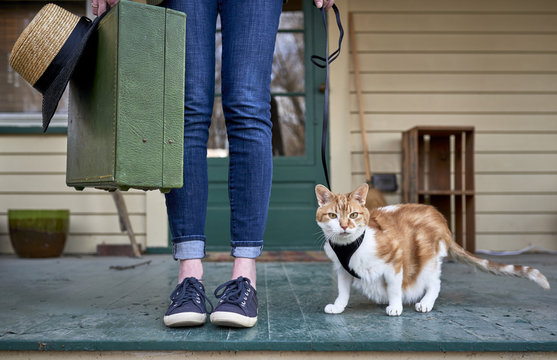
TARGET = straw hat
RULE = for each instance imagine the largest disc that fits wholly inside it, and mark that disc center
(47, 51)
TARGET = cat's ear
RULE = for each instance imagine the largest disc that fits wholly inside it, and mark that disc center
(324, 196)
(360, 194)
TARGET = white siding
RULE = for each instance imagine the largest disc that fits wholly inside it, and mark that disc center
(32, 176)
(489, 64)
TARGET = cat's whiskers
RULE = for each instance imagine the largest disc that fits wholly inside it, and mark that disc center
(320, 237)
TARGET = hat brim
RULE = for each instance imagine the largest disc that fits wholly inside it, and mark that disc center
(54, 92)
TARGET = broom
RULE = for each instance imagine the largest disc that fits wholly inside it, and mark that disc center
(374, 197)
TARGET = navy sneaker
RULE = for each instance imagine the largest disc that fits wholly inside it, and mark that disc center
(187, 307)
(237, 306)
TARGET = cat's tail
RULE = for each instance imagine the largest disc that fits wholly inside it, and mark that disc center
(458, 253)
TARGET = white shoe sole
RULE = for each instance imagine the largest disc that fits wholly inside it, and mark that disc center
(185, 319)
(224, 318)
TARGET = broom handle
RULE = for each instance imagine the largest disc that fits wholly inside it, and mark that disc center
(354, 50)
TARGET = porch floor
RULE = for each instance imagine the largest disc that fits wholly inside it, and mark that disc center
(80, 303)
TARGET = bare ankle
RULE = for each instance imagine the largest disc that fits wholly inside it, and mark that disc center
(245, 267)
(190, 268)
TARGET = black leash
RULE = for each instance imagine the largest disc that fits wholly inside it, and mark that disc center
(323, 62)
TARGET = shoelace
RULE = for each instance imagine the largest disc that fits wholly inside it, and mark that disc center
(190, 290)
(234, 291)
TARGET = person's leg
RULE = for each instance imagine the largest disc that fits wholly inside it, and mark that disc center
(187, 206)
(249, 30)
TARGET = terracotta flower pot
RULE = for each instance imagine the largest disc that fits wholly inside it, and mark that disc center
(38, 233)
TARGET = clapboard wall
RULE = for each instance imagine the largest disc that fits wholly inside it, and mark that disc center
(33, 176)
(491, 64)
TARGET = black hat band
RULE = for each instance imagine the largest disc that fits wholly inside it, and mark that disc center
(64, 55)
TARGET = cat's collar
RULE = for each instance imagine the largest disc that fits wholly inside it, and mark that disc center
(344, 253)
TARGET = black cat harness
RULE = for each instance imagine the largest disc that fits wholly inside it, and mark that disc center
(344, 253)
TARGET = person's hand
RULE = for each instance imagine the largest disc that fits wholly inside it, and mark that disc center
(325, 4)
(99, 6)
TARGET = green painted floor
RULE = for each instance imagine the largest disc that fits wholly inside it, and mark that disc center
(75, 303)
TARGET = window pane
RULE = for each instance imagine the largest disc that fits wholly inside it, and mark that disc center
(288, 117)
(287, 89)
(288, 64)
(292, 20)
(217, 146)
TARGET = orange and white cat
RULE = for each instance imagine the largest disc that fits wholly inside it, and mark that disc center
(393, 254)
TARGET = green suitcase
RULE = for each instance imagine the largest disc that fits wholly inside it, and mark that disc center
(126, 107)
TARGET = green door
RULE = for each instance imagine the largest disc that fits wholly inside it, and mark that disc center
(297, 111)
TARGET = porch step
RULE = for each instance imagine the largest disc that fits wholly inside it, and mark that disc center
(82, 304)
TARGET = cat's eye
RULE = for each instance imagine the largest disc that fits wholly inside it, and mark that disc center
(332, 215)
(353, 215)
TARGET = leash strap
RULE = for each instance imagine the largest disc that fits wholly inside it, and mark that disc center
(323, 62)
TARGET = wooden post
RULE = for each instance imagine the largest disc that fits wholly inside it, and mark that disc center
(125, 223)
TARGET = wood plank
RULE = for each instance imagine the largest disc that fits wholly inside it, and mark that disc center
(475, 63)
(446, 22)
(514, 184)
(24, 163)
(470, 315)
(516, 163)
(435, 82)
(278, 288)
(486, 163)
(278, 355)
(36, 144)
(476, 6)
(466, 103)
(380, 163)
(77, 202)
(504, 184)
(389, 142)
(389, 122)
(519, 223)
(488, 144)
(516, 143)
(524, 203)
(156, 219)
(103, 224)
(40, 183)
(87, 244)
(453, 42)
(502, 242)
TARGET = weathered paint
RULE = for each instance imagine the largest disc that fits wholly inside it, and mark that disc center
(80, 304)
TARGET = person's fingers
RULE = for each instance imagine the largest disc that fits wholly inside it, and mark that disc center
(95, 6)
(102, 7)
(325, 4)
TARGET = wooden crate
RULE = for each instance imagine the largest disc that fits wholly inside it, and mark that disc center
(438, 169)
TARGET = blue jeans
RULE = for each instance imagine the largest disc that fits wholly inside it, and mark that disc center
(249, 29)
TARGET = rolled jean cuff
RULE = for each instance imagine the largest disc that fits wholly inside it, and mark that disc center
(186, 250)
(250, 252)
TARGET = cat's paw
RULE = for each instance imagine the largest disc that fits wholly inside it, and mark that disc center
(334, 309)
(394, 310)
(423, 307)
